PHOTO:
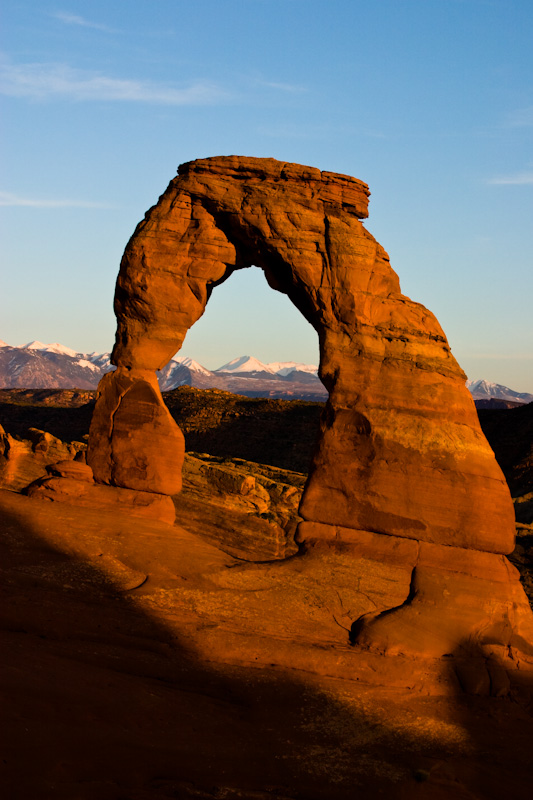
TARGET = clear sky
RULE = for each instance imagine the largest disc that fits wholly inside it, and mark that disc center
(428, 101)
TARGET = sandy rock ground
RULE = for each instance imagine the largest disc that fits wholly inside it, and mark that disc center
(140, 661)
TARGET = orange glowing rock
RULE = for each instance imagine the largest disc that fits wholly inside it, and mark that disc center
(400, 450)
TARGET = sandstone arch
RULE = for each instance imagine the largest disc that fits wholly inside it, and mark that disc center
(400, 454)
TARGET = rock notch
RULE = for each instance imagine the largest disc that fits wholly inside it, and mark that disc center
(402, 469)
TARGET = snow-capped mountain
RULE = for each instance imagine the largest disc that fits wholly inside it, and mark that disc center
(281, 379)
(484, 390)
(100, 360)
(94, 361)
(184, 371)
(50, 348)
(38, 365)
(245, 364)
(190, 363)
(286, 367)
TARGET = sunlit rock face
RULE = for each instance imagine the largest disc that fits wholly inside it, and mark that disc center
(134, 443)
(400, 449)
(24, 460)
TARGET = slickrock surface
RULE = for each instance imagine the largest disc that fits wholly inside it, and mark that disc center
(81, 492)
(400, 451)
(141, 662)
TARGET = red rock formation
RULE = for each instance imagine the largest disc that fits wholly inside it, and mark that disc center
(400, 452)
(24, 460)
(73, 482)
(139, 446)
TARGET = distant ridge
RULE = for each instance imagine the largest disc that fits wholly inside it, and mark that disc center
(37, 365)
(50, 348)
(286, 367)
(484, 390)
(50, 366)
(246, 364)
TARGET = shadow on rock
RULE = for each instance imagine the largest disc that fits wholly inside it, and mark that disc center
(106, 698)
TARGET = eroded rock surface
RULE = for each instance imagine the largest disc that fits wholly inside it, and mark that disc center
(88, 494)
(140, 446)
(24, 460)
(400, 450)
(249, 510)
(139, 661)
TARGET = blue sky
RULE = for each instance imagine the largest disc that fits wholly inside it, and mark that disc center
(428, 101)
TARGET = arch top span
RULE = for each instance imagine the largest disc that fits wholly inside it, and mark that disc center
(400, 451)
(349, 194)
(300, 225)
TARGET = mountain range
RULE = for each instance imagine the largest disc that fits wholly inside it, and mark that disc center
(54, 366)
(483, 390)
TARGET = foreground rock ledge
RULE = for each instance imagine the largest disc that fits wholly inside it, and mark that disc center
(139, 661)
(400, 451)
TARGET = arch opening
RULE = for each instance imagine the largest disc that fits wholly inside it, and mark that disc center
(244, 316)
(247, 458)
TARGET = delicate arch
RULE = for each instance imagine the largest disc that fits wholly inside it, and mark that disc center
(400, 450)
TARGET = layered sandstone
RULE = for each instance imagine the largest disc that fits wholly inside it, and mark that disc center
(24, 460)
(400, 450)
(248, 510)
